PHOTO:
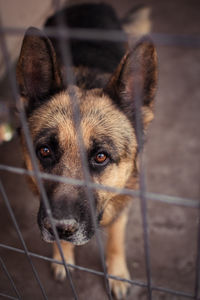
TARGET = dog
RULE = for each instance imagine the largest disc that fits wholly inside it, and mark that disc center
(107, 78)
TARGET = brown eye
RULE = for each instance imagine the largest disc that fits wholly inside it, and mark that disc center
(45, 152)
(100, 158)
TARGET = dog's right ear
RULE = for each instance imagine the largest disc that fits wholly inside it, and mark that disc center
(38, 74)
(133, 84)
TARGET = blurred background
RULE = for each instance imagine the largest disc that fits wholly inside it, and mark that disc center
(172, 165)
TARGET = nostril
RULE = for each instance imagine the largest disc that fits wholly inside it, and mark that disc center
(65, 228)
(62, 231)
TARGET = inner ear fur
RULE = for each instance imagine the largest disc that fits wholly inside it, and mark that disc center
(134, 81)
(38, 74)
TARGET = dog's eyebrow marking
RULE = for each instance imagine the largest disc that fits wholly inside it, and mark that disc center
(45, 134)
(104, 143)
(115, 148)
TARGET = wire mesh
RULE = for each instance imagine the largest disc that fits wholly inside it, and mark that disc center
(35, 167)
(115, 36)
(10, 278)
(70, 80)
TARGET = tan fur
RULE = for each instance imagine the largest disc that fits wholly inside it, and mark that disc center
(115, 250)
(89, 127)
(115, 176)
(68, 252)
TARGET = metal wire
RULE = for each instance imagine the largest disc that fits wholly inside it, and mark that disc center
(10, 278)
(34, 162)
(92, 271)
(173, 200)
(70, 80)
(137, 97)
(8, 297)
(98, 273)
(115, 36)
(161, 39)
(143, 202)
(5, 198)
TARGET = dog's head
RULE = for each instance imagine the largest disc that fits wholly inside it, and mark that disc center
(107, 122)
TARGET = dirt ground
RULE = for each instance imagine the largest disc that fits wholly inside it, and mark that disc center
(172, 168)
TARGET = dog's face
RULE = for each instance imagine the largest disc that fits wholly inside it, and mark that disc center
(107, 126)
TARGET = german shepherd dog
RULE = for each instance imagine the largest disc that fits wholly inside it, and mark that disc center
(105, 87)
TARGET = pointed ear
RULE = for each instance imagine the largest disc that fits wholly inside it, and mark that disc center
(136, 79)
(38, 75)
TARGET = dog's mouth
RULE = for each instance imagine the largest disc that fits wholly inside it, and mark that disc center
(67, 229)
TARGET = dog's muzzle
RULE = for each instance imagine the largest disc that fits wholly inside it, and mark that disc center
(71, 218)
(67, 229)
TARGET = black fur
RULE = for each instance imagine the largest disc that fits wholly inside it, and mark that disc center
(101, 55)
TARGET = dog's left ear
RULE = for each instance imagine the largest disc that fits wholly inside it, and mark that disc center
(38, 74)
(134, 82)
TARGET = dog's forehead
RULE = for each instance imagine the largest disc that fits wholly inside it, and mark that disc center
(98, 117)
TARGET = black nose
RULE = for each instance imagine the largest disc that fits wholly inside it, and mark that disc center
(65, 228)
